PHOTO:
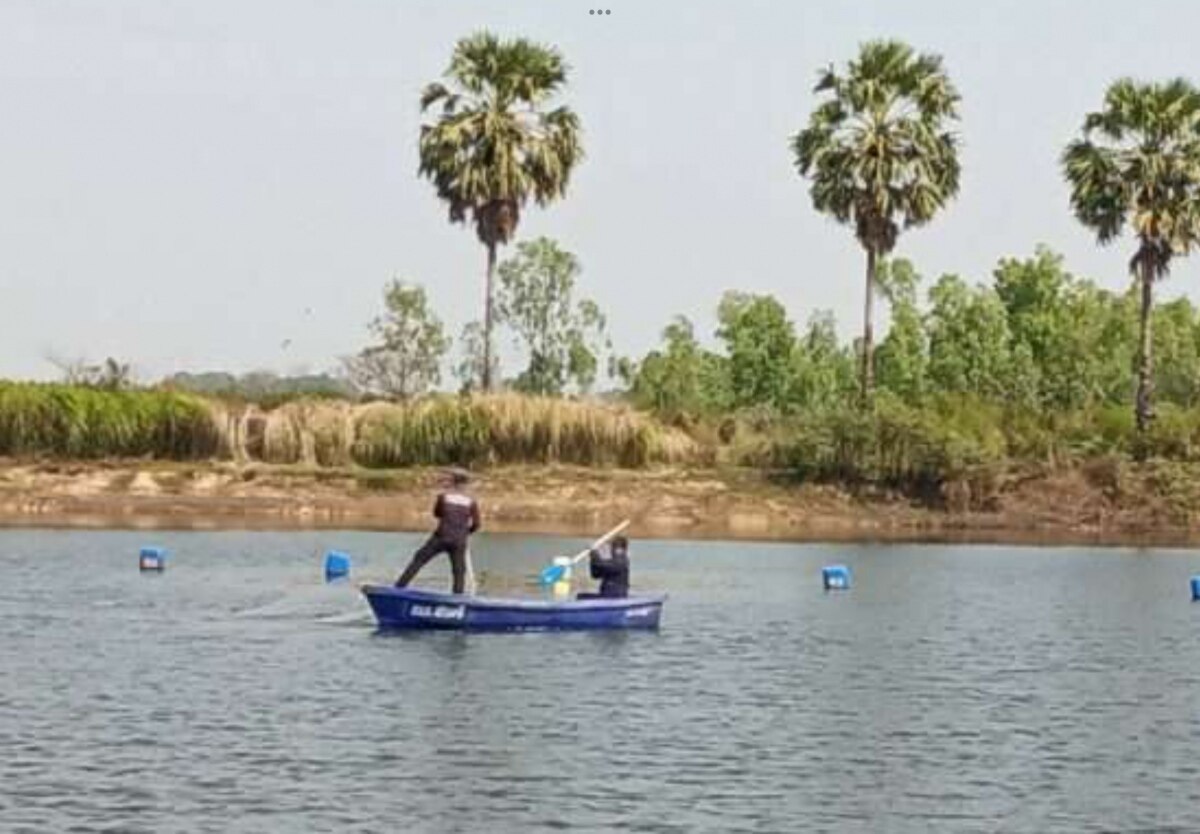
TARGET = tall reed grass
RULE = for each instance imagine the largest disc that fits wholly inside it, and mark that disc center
(514, 429)
(79, 422)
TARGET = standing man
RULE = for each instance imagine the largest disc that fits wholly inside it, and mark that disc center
(458, 517)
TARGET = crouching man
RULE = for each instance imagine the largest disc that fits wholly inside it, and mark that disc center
(612, 569)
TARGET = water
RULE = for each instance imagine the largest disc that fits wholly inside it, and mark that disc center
(955, 688)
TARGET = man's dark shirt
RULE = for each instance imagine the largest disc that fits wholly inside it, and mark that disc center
(457, 515)
(612, 569)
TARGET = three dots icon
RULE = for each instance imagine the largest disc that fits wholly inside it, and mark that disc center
(599, 11)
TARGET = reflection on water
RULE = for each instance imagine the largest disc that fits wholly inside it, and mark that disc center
(954, 689)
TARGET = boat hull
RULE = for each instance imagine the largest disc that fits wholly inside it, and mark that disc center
(408, 608)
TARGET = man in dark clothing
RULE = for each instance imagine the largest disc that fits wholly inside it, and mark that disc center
(458, 517)
(612, 569)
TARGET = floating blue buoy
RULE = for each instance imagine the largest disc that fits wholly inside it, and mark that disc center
(1195, 588)
(152, 558)
(835, 577)
(337, 565)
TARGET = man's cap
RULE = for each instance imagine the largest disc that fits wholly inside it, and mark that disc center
(458, 474)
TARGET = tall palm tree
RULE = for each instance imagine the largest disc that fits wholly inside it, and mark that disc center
(880, 155)
(494, 144)
(1137, 164)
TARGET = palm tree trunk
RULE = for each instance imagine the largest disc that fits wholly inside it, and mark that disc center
(868, 341)
(487, 319)
(1143, 409)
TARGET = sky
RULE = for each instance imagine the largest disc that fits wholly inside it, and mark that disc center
(209, 185)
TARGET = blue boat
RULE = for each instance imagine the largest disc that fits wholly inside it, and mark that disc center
(408, 608)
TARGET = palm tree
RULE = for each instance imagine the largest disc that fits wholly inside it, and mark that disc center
(1137, 164)
(494, 145)
(879, 154)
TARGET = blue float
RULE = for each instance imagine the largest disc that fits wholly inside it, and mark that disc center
(1195, 588)
(409, 608)
(835, 577)
(337, 565)
(152, 558)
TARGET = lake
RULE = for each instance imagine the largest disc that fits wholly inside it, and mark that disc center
(954, 688)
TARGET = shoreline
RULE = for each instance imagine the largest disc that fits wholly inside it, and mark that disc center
(735, 505)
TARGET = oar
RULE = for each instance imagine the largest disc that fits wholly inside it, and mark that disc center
(553, 573)
(471, 586)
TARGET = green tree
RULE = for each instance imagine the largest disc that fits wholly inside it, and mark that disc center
(473, 358)
(406, 360)
(879, 154)
(1137, 166)
(497, 143)
(904, 354)
(1074, 333)
(681, 378)
(969, 350)
(823, 373)
(1033, 294)
(1111, 323)
(1177, 349)
(1040, 301)
(536, 300)
(760, 342)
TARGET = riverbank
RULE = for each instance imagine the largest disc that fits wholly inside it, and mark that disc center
(1114, 504)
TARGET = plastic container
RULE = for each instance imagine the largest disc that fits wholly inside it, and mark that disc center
(337, 565)
(152, 558)
(562, 588)
(835, 577)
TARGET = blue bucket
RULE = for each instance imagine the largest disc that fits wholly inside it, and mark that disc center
(337, 565)
(835, 577)
(152, 558)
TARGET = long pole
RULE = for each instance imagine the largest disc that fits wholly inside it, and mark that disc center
(554, 572)
(598, 542)
(472, 587)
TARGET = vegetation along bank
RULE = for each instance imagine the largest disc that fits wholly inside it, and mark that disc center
(1030, 399)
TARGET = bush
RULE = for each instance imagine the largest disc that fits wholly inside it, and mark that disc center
(894, 444)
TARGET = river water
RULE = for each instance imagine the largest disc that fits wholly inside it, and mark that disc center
(954, 688)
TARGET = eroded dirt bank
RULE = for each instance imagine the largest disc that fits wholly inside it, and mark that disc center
(1072, 506)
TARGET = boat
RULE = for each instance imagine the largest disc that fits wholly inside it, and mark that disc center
(410, 608)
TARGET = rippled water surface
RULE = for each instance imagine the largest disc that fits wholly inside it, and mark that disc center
(955, 688)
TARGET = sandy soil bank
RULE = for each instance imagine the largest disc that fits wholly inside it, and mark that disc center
(732, 504)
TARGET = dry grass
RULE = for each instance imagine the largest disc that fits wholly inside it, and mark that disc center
(514, 429)
(62, 421)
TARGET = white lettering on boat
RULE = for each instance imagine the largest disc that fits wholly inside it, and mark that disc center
(645, 611)
(438, 612)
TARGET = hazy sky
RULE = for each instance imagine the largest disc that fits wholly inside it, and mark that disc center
(186, 185)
